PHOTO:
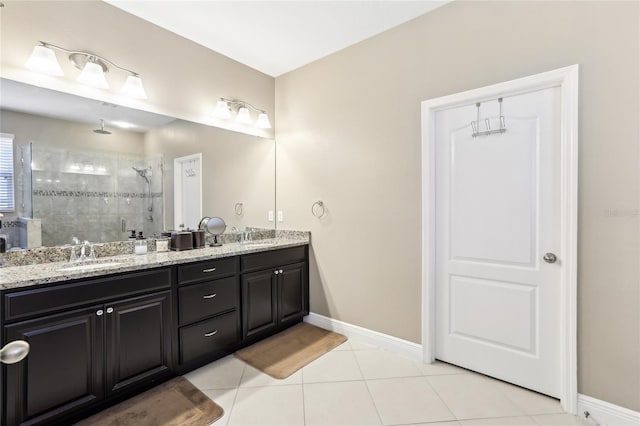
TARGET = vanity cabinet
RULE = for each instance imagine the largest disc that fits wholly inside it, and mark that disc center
(275, 288)
(91, 350)
(208, 310)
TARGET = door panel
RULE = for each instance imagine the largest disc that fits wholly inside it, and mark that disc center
(512, 322)
(497, 213)
(291, 293)
(138, 339)
(259, 303)
(508, 230)
(63, 371)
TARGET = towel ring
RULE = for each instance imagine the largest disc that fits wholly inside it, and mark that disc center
(318, 209)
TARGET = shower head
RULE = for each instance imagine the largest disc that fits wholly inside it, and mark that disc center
(101, 130)
(141, 172)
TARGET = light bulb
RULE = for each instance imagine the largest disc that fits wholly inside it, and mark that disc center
(133, 87)
(93, 75)
(243, 116)
(263, 121)
(222, 110)
(43, 59)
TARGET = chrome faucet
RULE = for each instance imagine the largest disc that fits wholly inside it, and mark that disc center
(243, 236)
(92, 253)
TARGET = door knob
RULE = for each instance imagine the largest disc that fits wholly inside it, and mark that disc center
(550, 258)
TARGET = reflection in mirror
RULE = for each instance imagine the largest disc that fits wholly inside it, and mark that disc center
(74, 180)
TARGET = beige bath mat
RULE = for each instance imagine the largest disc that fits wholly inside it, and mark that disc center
(285, 353)
(176, 403)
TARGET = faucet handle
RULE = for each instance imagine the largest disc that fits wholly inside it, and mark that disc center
(92, 252)
(73, 257)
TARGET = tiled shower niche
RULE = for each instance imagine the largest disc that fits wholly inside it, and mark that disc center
(95, 196)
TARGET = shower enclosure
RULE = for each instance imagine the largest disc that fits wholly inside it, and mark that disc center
(95, 196)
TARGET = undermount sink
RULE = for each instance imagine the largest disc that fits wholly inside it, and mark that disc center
(258, 244)
(89, 267)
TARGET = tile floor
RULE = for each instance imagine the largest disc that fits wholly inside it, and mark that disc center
(359, 384)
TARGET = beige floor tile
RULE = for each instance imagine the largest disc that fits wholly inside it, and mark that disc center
(439, 368)
(407, 400)
(346, 346)
(335, 404)
(223, 373)
(500, 421)
(471, 396)
(224, 398)
(269, 405)
(337, 366)
(358, 345)
(560, 420)
(452, 423)
(253, 377)
(528, 401)
(379, 364)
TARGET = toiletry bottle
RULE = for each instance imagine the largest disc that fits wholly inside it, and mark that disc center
(3, 239)
(141, 244)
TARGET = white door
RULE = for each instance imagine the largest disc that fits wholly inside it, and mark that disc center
(497, 215)
(187, 191)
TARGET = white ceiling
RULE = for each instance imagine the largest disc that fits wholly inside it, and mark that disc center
(276, 37)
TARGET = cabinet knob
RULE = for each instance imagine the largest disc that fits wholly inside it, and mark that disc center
(280, 270)
(109, 310)
(276, 272)
(99, 312)
(211, 333)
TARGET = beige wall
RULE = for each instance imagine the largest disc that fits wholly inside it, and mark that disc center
(349, 134)
(182, 79)
(63, 134)
(236, 168)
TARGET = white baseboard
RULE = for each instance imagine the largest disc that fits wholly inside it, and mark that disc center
(604, 413)
(392, 344)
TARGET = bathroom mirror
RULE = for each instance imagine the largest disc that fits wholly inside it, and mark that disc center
(96, 181)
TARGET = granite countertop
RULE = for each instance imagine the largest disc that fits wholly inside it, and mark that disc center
(12, 277)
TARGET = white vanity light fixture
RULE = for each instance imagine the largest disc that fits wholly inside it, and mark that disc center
(94, 67)
(224, 107)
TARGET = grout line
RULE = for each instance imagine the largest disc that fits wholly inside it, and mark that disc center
(366, 385)
(235, 397)
(304, 411)
(426, 378)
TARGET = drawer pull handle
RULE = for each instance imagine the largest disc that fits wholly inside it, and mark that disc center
(208, 270)
(210, 334)
(209, 296)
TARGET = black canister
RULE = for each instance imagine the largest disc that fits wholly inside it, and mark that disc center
(198, 238)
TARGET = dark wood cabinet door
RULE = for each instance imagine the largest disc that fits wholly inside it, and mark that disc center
(138, 339)
(64, 369)
(259, 302)
(291, 292)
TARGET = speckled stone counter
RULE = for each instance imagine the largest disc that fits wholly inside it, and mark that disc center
(12, 277)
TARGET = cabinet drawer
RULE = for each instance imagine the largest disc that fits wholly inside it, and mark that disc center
(199, 301)
(60, 297)
(271, 259)
(208, 337)
(206, 270)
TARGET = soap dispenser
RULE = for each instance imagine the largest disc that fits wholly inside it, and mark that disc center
(141, 244)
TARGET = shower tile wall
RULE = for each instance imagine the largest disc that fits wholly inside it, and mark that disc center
(88, 195)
